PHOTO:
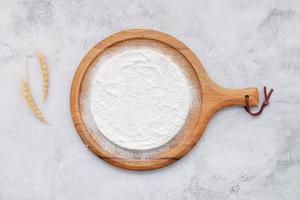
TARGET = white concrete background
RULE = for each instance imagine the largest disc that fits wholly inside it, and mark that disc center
(241, 44)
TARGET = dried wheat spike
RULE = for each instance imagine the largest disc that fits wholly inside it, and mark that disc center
(30, 101)
(45, 74)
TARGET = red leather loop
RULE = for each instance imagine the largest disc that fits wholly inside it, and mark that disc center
(265, 103)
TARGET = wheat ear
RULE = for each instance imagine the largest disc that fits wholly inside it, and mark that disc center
(30, 100)
(45, 75)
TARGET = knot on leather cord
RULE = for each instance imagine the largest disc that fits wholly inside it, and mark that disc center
(265, 103)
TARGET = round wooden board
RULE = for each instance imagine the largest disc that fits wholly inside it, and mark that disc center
(210, 98)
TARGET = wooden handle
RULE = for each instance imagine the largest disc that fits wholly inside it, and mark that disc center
(236, 97)
(216, 97)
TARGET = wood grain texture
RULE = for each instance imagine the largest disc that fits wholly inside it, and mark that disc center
(213, 98)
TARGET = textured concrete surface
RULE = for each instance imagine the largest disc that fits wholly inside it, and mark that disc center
(241, 43)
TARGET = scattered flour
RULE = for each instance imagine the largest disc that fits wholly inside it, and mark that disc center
(139, 99)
